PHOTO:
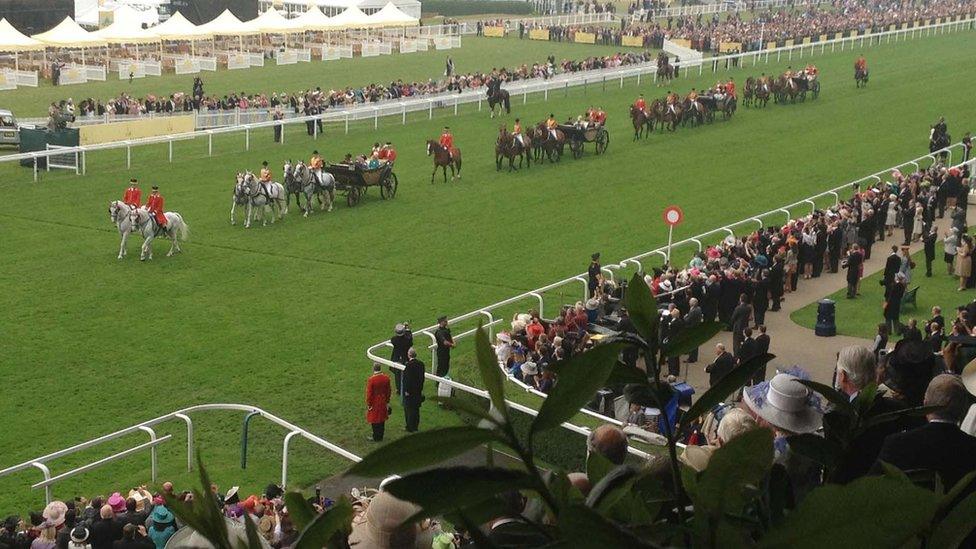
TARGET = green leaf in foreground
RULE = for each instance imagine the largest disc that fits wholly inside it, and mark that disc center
(734, 380)
(835, 397)
(824, 517)
(642, 308)
(324, 526)
(491, 373)
(586, 528)
(958, 524)
(421, 450)
(301, 511)
(692, 338)
(578, 379)
(445, 489)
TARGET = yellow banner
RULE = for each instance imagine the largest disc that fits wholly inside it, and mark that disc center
(838, 35)
(904, 26)
(584, 38)
(806, 40)
(789, 43)
(771, 45)
(539, 34)
(940, 20)
(494, 32)
(633, 41)
(726, 47)
(135, 129)
(683, 42)
(823, 37)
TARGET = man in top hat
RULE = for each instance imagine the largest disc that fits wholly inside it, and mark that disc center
(133, 194)
(445, 342)
(593, 274)
(447, 141)
(401, 342)
(377, 402)
(155, 206)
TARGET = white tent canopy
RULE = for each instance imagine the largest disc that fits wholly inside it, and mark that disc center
(69, 34)
(12, 39)
(227, 24)
(270, 22)
(391, 16)
(178, 27)
(351, 18)
(126, 29)
(311, 20)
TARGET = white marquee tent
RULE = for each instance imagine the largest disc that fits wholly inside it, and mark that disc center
(12, 40)
(353, 17)
(178, 27)
(270, 22)
(126, 29)
(227, 24)
(312, 20)
(68, 34)
(391, 16)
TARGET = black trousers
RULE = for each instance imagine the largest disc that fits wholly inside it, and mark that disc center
(443, 364)
(693, 355)
(411, 413)
(379, 429)
(851, 288)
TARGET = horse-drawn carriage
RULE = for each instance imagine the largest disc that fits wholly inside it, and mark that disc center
(577, 136)
(354, 180)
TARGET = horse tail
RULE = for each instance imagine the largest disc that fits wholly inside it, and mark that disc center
(183, 230)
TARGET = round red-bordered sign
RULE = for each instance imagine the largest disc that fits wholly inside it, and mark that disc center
(673, 215)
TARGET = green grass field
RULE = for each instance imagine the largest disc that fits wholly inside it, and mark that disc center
(476, 54)
(280, 316)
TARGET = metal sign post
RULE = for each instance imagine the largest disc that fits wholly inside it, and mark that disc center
(672, 216)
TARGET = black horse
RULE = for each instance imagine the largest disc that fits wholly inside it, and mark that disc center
(498, 97)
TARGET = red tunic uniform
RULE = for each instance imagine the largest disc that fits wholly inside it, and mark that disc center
(377, 398)
(730, 87)
(447, 140)
(599, 117)
(132, 197)
(641, 104)
(391, 155)
(155, 207)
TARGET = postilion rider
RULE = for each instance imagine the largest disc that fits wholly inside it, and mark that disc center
(861, 65)
(447, 141)
(265, 179)
(551, 125)
(133, 195)
(517, 134)
(641, 104)
(155, 207)
(315, 164)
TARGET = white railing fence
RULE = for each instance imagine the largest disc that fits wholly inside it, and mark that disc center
(42, 463)
(537, 297)
(339, 119)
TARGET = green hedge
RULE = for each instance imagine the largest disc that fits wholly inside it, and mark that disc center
(453, 8)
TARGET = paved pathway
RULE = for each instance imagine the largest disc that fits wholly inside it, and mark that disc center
(795, 344)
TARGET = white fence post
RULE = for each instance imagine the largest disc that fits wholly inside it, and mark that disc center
(247, 139)
(210, 144)
(128, 155)
(171, 150)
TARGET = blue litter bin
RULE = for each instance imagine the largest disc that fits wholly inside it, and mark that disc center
(826, 311)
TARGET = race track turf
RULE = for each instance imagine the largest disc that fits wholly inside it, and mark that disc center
(280, 316)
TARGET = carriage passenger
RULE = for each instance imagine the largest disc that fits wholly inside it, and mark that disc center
(599, 116)
(391, 153)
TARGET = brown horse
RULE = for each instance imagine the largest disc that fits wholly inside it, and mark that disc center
(508, 147)
(643, 122)
(443, 159)
(763, 89)
(544, 142)
(749, 92)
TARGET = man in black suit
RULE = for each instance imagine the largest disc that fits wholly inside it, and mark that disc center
(740, 321)
(401, 342)
(776, 274)
(692, 319)
(762, 347)
(892, 265)
(939, 445)
(413, 390)
(721, 366)
(854, 262)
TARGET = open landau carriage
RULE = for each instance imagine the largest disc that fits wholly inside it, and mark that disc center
(577, 137)
(354, 180)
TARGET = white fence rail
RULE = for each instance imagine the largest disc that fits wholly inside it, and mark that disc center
(537, 297)
(42, 462)
(228, 121)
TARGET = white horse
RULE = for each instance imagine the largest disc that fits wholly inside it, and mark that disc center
(176, 230)
(119, 212)
(324, 190)
(248, 189)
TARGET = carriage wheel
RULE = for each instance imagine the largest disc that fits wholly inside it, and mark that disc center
(389, 188)
(352, 196)
(602, 141)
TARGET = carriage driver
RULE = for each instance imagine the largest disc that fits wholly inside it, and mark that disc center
(551, 125)
(155, 206)
(133, 195)
(265, 179)
(517, 133)
(447, 141)
(315, 164)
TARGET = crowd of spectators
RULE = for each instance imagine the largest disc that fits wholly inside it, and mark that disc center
(706, 34)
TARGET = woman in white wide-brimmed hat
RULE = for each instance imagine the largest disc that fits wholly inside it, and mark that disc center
(787, 407)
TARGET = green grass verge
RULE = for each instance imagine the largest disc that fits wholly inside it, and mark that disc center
(280, 316)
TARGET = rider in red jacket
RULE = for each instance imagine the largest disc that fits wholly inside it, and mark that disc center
(155, 206)
(133, 195)
(447, 141)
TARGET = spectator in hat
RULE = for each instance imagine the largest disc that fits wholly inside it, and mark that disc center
(163, 526)
(445, 342)
(413, 390)
(377, 402)
(79, 538)
(787, 407)
(401, 342)
(384, 525)
(939, 445)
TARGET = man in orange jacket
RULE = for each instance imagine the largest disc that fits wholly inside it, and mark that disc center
(133, 195)
(155, 206)
(378, 402)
